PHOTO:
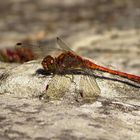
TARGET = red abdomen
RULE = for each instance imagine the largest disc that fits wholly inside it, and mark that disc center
(93, 66)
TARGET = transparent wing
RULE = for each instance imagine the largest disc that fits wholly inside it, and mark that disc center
(83, 88)
(33, 50)
(63, 45)
(88, 88)
(33, 46)
(44, 48)
(57, 87)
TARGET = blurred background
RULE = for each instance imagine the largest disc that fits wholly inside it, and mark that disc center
(104, 30)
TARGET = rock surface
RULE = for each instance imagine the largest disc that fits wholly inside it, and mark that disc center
(113, 112)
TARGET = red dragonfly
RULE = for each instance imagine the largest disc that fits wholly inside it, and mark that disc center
(69, 60)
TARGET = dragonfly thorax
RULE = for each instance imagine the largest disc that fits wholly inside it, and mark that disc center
(69, 59)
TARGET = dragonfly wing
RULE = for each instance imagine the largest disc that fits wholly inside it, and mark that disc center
(63, 45)
(29, 50)
(88, 90)
(34, 46)
(57, 87)
(41, 50)
(81, 88)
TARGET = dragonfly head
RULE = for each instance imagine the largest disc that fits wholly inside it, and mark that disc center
(49, 64)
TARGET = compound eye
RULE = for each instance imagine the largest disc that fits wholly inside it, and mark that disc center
(48, 63)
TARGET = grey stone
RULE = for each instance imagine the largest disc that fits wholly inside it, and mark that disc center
(105, 31)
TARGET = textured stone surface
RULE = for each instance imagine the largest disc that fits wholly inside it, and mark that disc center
(26, 81)
(92, 30)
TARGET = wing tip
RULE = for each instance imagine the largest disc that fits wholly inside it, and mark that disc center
(60, 41)
(57, 38)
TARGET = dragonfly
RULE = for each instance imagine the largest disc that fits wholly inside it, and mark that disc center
(69, 60)
(84, 87)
